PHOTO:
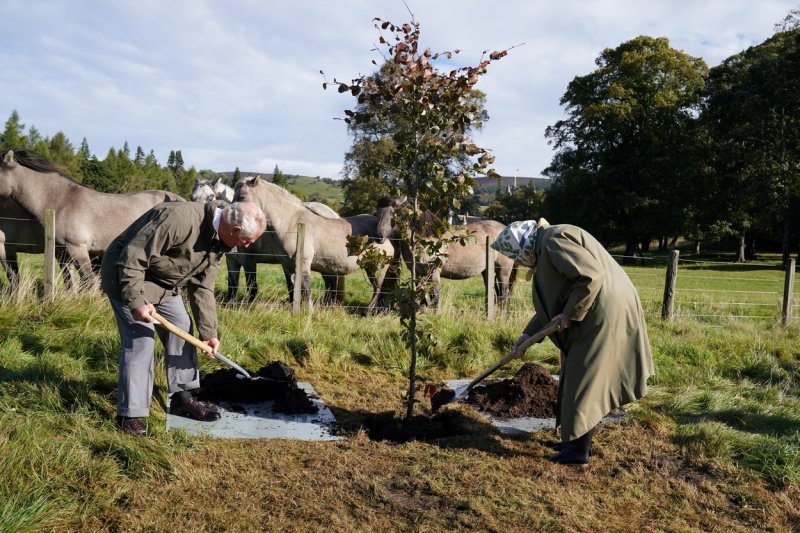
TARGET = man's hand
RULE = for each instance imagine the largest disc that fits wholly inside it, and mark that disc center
(214, 344)
(142, 314)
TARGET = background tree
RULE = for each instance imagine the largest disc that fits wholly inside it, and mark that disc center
(13, 134)
(522, 203)
(428, 115)
(620, 157)
(279, 178)
(370, 160)
(753, 113)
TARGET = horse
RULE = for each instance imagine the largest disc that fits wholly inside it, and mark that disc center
(207, 190)
(264, 250)
(325, 245)
(21, 233)
(86, 220)
(461, 262)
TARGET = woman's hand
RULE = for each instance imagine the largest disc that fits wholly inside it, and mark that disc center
(563, 319)
(517, 345)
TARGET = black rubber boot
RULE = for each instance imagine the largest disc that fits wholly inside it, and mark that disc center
(575, 452)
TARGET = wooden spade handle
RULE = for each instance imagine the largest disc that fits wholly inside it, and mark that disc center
(172, 328)
(549, 329)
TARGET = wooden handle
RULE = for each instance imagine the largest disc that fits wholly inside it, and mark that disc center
(172, 328)
(549, 329)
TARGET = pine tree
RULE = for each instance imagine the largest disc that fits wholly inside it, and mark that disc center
(12, 136)
(279, 178)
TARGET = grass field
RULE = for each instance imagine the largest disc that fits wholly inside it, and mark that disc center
(715, 445)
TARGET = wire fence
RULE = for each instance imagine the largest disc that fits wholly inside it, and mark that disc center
(705, 290)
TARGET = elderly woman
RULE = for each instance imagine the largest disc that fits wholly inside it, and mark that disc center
(605, 351)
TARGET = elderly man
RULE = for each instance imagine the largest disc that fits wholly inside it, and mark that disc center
(172, 246)
(605, 349)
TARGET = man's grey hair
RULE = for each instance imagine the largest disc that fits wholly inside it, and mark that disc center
(247, 215)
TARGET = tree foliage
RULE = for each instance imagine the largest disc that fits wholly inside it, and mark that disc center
(621, 154)
(117, 173)
(426, 116)
(753, 114)
(522, 203)
(371, 161)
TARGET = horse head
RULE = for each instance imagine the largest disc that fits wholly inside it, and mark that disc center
(6, 166)
(386, 205)
(222, 191)
(203, 191)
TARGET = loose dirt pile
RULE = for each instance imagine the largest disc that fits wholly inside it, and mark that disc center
(532, 392)
(276, 382)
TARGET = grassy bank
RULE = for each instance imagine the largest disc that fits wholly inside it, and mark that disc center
(716, 445)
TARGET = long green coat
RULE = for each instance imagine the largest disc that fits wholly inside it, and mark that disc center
(606, 356)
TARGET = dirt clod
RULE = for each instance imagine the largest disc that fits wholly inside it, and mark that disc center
(276, 381)
(532, 392)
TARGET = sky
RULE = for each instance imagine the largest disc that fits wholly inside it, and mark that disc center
(237, 83)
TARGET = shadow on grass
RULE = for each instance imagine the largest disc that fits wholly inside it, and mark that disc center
(754, 423)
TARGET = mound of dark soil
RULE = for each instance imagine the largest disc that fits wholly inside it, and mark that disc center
(275, 381)
(532, 392)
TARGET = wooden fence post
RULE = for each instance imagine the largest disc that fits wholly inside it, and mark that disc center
(491, 309)
(669, 285)
(49, 254)
(298, 269)
(788, 294)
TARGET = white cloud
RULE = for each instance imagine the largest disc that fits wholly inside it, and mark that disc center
(237, 83)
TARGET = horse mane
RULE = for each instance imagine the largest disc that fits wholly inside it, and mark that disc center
(289, 197)
(38, 163)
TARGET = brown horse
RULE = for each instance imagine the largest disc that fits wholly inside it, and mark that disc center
(461, 262)
(86, 220)
(325, 245)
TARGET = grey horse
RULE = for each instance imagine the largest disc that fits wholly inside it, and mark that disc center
(462, 262)
(264, 250)
(86, 220)
(206, 190)
(20, 232)
(325, 247)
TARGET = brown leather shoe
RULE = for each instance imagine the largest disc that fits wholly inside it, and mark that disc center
(191, 408)
(134, 426)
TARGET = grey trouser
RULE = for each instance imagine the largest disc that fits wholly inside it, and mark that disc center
(136, 367)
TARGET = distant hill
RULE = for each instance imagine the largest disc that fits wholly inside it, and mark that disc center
(309, 189)
(329, 191)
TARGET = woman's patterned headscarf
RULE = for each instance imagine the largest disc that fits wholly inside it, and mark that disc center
(518, 239)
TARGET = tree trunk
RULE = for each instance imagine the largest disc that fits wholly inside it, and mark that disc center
(740, 255)
(697, 246)
(630, 252)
